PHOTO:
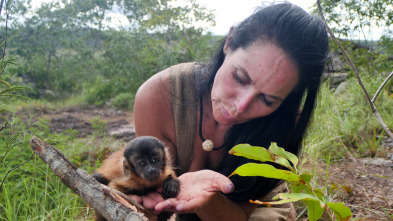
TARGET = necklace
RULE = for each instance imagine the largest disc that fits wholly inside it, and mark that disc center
(207, 145)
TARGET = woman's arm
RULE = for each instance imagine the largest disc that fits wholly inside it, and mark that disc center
(152, 110)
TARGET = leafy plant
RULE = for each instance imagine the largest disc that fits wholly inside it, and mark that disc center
(301, 189)
(124, 101)
(99, 127)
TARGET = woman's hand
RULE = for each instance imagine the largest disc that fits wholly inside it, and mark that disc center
(196, 189)
(150, 200)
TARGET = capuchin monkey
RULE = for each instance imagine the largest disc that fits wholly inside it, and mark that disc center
(141, 167)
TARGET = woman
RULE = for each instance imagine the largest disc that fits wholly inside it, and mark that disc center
(251, 92)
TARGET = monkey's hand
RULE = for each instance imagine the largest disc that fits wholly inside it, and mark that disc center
(196, 191)
(100, 178)
(171, 187)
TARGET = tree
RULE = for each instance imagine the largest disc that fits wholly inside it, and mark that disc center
(160, 34)
(66, 45)
(360, 21)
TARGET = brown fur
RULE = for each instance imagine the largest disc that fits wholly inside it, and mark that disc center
(112, 170)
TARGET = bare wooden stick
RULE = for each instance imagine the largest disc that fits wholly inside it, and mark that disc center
(380, 87)
(109, 203)
(373, 108)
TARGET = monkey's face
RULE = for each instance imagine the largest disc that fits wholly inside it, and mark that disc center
(148, 166)
(145, 157)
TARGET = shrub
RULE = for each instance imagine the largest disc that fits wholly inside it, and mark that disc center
(124, 101)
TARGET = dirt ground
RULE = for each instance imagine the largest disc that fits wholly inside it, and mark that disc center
(363, 184)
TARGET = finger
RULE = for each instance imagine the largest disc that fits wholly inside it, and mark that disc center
(189, 206)
(222, 183)
(151, 200)
(227, 187)
(136, 198)
(159, 189)
(167, 205)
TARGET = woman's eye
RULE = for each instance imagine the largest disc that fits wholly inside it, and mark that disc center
(239, 79)
(266, 101)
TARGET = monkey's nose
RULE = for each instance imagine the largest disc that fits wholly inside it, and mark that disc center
(152, 174)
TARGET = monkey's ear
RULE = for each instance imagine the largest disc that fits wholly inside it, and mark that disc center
(126, 167)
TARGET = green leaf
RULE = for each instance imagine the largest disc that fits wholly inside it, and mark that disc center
(259, 153)
(5, 83)
(283, 161)
(293, 197)
(13, 89)
(315, 211)
(298, 187)
(252, 152)
(306, 177)
(281, 152)
(318, 193)
(342, 212)
(268, 171)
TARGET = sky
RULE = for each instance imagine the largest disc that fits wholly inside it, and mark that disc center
(231, 12)
(227, 12)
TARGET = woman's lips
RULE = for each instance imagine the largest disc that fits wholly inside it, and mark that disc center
(227, 116)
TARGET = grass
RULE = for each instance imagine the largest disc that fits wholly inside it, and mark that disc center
(343, 126)
(34, 106)
(32, 191)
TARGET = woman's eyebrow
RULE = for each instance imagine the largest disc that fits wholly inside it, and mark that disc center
(246, 75)
(248, 79)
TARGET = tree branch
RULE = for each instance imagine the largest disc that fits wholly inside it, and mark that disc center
(382, 85)
(9, 171)
(110, 203)
(373, 108)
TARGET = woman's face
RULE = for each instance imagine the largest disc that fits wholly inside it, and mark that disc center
(251, 83)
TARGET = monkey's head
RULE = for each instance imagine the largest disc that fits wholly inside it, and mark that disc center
(145, 157)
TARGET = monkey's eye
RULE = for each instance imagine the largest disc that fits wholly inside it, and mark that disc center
(142, 163)
(155, 160)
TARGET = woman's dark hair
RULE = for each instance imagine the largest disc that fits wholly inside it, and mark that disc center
(304, 39)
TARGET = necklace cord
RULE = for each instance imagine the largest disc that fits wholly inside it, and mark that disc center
(200, 124)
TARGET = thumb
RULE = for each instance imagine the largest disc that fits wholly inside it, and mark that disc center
(227, 187)
(223, 184)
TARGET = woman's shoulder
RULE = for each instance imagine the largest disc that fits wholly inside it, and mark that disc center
(152, 107)
(160, 83)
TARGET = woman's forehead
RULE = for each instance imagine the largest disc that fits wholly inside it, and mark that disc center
(267, 64)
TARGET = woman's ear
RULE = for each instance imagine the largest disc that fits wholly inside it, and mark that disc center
(226, 45)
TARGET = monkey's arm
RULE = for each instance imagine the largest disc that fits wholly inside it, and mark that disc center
(171, 187)
(100, 178)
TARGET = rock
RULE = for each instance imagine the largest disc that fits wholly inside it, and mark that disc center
(375, 161)
(121, 129)
(126, 133)
(341, 89)
(335, 78)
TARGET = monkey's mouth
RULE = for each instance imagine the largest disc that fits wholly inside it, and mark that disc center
(152, 177)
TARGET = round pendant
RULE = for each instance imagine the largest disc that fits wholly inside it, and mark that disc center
(208, 145)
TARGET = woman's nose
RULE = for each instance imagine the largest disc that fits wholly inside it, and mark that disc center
(243, 102)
